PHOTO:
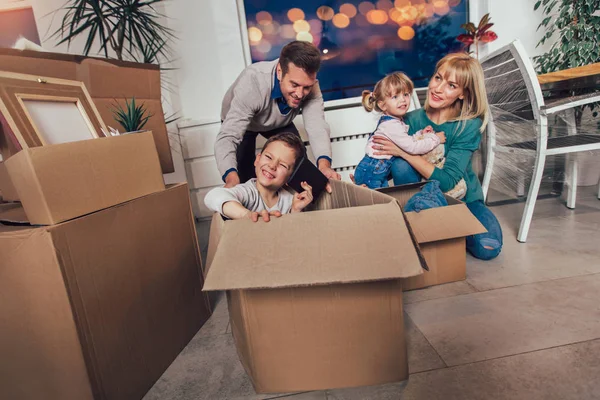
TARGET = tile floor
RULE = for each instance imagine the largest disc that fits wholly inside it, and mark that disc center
(523, 326)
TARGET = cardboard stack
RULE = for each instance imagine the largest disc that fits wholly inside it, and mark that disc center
(98, 299)
(106, 80)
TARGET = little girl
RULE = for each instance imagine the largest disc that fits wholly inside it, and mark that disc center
(391, 97)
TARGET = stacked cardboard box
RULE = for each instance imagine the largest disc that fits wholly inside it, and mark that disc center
(98, 301)
(106, 80)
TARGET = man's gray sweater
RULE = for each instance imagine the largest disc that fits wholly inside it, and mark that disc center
(248, 106)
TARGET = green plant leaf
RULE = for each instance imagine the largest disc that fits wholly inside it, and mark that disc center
(126, 27)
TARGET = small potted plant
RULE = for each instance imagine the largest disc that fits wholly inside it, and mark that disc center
(132, 117)
(477, 34)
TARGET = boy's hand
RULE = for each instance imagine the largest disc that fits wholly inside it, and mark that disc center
(442, 136)
(264, 214)
(302, 200)
(427, 129)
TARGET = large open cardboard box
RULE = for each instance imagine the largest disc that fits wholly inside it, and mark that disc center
(98, 307)
(315, 298)
(441, 234)
(106, 80)
(62, 181)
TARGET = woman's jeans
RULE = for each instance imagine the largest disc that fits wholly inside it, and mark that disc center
(404, 173)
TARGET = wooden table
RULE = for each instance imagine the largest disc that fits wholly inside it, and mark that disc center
(586, 77)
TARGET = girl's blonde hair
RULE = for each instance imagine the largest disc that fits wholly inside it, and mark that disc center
(469, 75)
(396, 82)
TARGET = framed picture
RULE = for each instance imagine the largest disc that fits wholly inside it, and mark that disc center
(41, 111)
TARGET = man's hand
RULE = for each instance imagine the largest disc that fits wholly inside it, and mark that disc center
(264, 214)
(232, 179)
(302, 200)
(325, 168)
(330, 173)
(442, 136)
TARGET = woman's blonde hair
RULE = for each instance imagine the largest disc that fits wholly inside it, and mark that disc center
(469, 75)
(396, 82)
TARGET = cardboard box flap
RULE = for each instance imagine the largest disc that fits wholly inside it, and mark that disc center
(436, 224)
(349, 195)
(315, 248)
(443, 223)
(13, 213)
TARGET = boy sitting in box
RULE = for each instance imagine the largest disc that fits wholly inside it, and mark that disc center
(264, 195)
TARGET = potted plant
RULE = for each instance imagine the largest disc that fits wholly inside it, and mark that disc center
(130, 28)
(477, 34)
(132, 117)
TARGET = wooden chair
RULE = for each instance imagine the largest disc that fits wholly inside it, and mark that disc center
(514, 93)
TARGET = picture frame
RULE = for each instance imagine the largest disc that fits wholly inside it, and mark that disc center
(42, 110)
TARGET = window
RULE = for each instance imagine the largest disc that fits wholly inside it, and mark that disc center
(361, 41)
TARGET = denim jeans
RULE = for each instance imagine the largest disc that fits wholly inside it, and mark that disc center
(476, 244)
(372, 172)
(404, 173)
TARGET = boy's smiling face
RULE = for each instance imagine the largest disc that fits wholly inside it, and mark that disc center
(274, 165)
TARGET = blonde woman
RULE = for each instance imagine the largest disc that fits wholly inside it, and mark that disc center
(456, 105)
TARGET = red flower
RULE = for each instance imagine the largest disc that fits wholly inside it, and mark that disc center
(466, 39)
(487, 37)
(479, 33)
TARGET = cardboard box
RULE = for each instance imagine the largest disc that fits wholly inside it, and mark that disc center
(105, 80)
(315, 298)
(12, 214)
(7, 189)
(441, 234)
(58, 182)
(98, 307)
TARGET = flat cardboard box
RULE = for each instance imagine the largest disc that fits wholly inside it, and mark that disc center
(441, 234)
(7, 189)
(315, 298)
(98, 307)
(58, 182)
(105, 80)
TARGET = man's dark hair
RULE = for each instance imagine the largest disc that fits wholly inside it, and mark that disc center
(303, 54)
(291, 140)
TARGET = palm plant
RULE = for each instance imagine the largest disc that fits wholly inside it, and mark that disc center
(131, 117)
(128, 27)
